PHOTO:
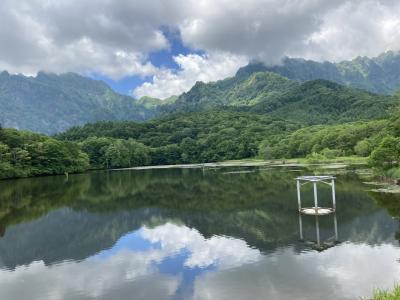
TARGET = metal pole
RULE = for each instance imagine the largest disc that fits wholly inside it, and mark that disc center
(298, 195)
(333, 194)
(317, 229)
(301, 227)
(315, 198)
(336, 230)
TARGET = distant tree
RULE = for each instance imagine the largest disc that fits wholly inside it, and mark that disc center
(387, 154)
(363, 148)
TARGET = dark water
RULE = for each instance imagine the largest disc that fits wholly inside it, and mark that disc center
(192, 234)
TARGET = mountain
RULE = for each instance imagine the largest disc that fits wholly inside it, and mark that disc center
(380, 74)
(155, 103)
(312, 102)
(237, 91)
(325, 102)
(50, 103)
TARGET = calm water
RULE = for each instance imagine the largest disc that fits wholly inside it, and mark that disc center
(228, 233)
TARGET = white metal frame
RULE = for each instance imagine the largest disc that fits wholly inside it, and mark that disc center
(318, 244)
(316, 210)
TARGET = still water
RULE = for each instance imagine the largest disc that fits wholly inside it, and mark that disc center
(218, 233)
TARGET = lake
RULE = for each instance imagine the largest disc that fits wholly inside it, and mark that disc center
(194, 233)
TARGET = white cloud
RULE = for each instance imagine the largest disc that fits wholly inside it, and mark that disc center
(357, 28)
(260, 29)
(222, 252)
(109, 37)
(91, 278)
(193, 67)
(347, 271)
(116, 37)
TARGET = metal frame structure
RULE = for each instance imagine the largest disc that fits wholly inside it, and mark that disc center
(316, 210)
(318, 244)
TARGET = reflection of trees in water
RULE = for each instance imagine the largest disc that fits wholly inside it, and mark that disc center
(258, 207)
(391, 202)
(196, 190)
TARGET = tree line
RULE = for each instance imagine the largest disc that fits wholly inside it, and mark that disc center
(196, 138)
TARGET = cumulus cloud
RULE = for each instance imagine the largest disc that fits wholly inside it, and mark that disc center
(115, 38)
(100, 279)
(193, 67)
(340, 272)
(262, 29)
(268, 30)
(109, 37)
(222, 252)
(356, 28)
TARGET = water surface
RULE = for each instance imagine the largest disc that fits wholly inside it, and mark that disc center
(215, 233)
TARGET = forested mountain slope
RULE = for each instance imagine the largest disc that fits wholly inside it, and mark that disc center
(293, 91)
(325, 102)
(380, 74)
(311, 102)
(50, 103)
(237, 91)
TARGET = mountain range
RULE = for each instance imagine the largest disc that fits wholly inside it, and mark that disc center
(312, 102)
(298, 90)
(379, 75)
(50, 103)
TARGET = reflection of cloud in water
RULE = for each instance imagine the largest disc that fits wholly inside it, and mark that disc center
(347, 271)
(220, 251)
(127, 269)
(89, 278)
(171, 261)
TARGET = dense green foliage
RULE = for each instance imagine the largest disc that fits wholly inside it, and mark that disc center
(379, 75)
(105, 153)
(237, 91)
(387, 295)
(358, 138)
(51, 103)
(325, 102)
(312, 102)
(24, 154)
(189, 138)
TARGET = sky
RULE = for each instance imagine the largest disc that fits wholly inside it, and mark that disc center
(160, 48)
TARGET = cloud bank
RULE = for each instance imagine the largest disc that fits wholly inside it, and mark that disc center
(115, 38)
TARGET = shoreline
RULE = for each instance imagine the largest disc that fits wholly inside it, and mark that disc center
(247, 163)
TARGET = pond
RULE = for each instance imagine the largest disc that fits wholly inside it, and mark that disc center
(194, 233)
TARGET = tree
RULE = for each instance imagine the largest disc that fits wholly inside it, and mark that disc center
(363, 148)
(96, 147)
(387, 154)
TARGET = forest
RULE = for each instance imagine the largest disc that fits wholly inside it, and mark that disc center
(196, 138)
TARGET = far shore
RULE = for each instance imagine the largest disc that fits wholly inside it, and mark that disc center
(332, 163)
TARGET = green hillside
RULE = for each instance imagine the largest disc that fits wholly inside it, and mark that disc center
(24, 154)
(379, 74)
(51, 103)
(311, 102)
(187, 138)
(237, 91)
(325, 102)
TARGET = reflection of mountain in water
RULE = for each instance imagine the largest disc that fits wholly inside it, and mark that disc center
(77, 218)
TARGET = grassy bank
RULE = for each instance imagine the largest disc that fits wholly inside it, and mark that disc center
(387, 295)
(353, 160)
